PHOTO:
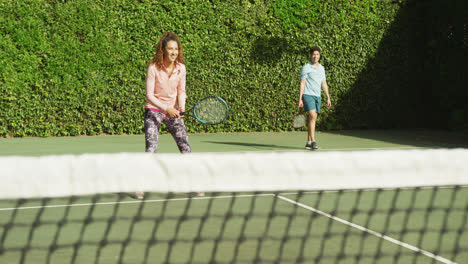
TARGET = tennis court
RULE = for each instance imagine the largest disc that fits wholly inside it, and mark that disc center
(238, 142)
(401, 225)
(243, 228)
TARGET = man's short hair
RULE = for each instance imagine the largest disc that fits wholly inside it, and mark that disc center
(315, 48)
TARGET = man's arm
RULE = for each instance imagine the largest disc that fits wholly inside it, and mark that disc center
(325, 90)
(301, 92)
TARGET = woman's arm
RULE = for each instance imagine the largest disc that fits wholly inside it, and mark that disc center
(150, 81)
(181, 95)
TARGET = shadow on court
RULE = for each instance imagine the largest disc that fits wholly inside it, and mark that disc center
(417, 138)
(255, 145)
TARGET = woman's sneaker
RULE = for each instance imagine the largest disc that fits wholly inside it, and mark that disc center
(139, 195)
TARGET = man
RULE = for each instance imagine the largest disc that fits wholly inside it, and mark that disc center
(312, 79)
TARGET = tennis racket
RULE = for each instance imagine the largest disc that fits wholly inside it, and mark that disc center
(299, 120)
(211, 110)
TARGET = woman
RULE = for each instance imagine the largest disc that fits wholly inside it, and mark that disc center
(165, 95)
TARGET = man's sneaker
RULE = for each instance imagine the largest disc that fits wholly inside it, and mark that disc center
(308, 145)
(314, 145)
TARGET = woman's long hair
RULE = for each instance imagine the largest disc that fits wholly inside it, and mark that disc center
(159, 56)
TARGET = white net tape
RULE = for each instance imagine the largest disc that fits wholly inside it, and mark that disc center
(65, 175)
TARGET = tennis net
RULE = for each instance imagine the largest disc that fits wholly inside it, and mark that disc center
(387, 206)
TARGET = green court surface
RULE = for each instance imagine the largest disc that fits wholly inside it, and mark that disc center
(371, 226)
(224, 228)
(228, 142)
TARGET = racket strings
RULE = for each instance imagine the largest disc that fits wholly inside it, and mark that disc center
(211, 110)
(299, 121)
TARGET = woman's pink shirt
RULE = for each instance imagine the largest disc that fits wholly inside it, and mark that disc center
(168, 90)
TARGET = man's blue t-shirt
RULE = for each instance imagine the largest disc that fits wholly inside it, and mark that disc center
(314, 78)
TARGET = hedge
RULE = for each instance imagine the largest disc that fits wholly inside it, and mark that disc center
(78, 67)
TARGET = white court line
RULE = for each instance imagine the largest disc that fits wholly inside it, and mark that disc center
(392, 240)
(132, 202)
(204, 198)
(375, 189)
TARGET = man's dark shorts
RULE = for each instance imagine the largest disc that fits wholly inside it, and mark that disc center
(311, 103)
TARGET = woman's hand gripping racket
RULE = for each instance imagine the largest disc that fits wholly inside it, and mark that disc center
(211, 110)
(299, 120)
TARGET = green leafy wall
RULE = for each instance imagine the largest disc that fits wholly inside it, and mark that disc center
(78, 67)
(418, 75)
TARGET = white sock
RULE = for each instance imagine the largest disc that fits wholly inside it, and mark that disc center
(309, 142)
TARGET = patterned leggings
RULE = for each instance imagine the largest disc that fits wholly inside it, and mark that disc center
(176, 126)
